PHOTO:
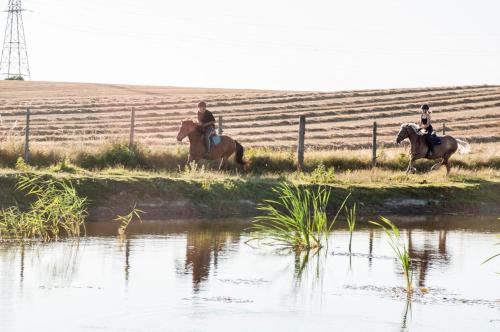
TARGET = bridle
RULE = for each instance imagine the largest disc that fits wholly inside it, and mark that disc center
(401, 135)
(186, 131)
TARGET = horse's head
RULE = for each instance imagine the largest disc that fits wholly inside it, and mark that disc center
(407, 131)
(187, 127)
(403, 133)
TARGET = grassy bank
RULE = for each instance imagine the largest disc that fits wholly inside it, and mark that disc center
(264, 160)
(202, 193)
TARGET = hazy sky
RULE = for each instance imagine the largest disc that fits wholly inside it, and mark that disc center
(268, 44)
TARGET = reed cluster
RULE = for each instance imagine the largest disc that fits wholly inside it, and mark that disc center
(56, 209)
(297, 219)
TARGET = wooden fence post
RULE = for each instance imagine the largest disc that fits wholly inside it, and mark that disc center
(301, 144)
(219, 127)
(27, 136)
(444, 128)
(374, 144)
(132, 129)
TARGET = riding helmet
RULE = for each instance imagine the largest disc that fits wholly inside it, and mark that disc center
(425, 107)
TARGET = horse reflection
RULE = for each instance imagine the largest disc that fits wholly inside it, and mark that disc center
(423, 258)
(203, 248)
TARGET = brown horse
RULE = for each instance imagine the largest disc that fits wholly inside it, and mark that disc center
(419, 148)
(225, 149)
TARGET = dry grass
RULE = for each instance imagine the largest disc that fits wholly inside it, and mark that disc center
(264, 160)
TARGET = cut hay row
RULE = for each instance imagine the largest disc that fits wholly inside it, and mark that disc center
(255, 108)
(89, 114)
(336, 115)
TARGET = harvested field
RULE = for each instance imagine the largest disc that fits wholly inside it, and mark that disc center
(77, 114)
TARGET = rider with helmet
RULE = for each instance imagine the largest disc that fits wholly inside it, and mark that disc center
(425, 124)
(207, 122)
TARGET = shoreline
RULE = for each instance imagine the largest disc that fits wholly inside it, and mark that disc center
(165, 197)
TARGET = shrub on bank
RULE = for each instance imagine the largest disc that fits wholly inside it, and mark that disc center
(114, 154)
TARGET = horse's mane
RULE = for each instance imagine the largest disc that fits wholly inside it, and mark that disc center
(412, 125)
(192, 122)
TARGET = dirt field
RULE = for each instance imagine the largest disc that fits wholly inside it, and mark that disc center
(73, 114)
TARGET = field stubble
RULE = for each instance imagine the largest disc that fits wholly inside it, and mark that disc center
(87, 115)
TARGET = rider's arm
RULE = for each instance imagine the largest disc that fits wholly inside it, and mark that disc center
(210, 117)
(206, 124)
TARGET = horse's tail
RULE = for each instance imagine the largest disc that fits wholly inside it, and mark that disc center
(239, 156)
(463, 146)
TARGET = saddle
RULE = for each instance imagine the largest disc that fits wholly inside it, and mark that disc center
(435, 139)
(215, 139)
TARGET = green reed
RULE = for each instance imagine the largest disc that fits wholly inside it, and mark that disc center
(297, 219)
(127, 219)
(56, 209)
(351, 221)
(399, 249)
(494, 256)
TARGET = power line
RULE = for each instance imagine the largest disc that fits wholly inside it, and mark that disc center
(14, 60)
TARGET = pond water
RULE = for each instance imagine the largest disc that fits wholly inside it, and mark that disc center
(204, 276)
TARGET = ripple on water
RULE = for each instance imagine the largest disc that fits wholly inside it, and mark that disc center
(220, 299)
(255, 282)
(424, 296)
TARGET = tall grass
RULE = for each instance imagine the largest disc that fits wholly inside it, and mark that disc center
(297, 219)
(56, 209)
(124, 221)
(351, 221)
(399, 249)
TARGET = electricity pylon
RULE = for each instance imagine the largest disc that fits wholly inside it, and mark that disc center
(14, 61)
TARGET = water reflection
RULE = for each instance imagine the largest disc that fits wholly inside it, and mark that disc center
(426, 254)
(58, 262)
(370, 248)
(306, 262)
(127, 259)
(406, 316)
(61, 263)
(149, 278)
(203, 248)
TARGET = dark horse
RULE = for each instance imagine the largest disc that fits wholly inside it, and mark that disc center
(225, 149)
(419, 148)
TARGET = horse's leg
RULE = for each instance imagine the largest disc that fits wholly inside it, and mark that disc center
(222, 163)
(225, 158)
(437, 165)
(448, 166)
(410, 165)
(413, 170)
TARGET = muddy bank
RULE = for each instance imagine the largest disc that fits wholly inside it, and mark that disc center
(164, 198)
